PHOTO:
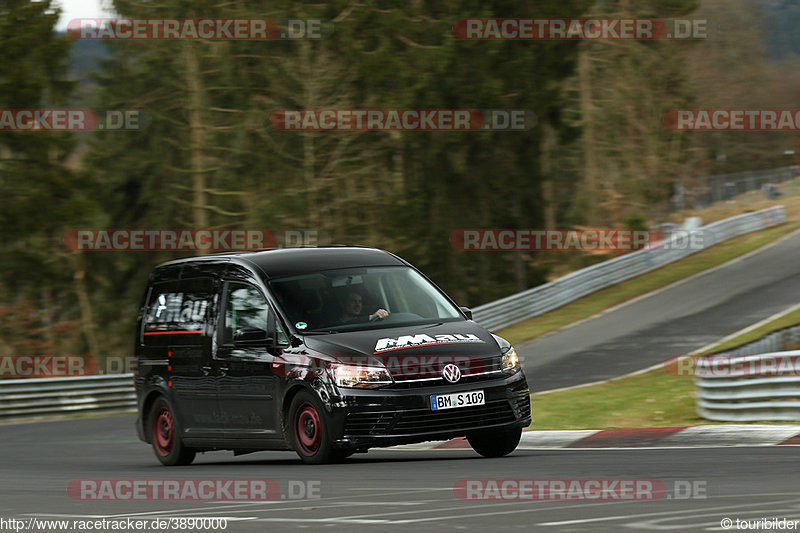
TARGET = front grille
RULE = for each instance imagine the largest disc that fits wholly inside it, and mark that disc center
(415, 383)
(416, 421)
(478, 370)
(522, 406)
(369, 423)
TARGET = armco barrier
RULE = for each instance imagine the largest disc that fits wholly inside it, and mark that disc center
(763, 396)
(544, 298)
(775, 396)
(55, 397)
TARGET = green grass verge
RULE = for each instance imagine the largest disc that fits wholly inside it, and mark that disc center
(790, 319)
(627, 290)
(654, 398)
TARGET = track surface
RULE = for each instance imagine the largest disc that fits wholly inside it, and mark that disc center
(675, 321)
(395, 490)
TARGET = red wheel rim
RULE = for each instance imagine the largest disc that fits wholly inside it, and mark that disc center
(308, 430)
(163, 432)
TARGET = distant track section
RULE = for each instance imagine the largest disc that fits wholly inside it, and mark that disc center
(539, 300)
(672, 321)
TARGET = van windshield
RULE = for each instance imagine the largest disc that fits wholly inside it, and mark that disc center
(361, 298)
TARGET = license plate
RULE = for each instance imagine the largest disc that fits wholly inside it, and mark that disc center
(457, 399)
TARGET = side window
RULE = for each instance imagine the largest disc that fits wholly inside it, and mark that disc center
(246, 307)
(282, 338)
(177, 308)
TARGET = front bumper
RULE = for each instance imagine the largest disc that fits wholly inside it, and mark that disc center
(387, 417)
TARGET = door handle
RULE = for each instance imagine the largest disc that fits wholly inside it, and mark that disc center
(223, 370)
(206, 370)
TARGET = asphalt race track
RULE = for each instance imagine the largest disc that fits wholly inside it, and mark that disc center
(397, 490)
(675, 321)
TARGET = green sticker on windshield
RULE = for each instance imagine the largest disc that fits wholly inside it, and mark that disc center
(301, 325)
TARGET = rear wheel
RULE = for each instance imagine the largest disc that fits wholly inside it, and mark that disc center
(495, 443)
(309, 430)
(165, 434)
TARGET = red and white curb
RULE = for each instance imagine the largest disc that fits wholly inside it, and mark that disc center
(662, 437)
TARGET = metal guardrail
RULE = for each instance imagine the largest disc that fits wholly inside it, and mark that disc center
(749, 387)
(22, 399)
(544, 298)
(749, 398)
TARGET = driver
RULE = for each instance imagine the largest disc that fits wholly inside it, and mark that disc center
(352, 305)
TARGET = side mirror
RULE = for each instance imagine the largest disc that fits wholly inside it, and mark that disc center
(252, 337)
(467, 311)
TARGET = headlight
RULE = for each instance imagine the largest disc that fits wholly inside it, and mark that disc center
(361, 376)
(510, 361)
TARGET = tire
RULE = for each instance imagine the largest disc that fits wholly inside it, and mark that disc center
(309, 430)
(165, 434)
(495, 443)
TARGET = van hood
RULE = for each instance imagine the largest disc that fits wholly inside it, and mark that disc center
(414, 351)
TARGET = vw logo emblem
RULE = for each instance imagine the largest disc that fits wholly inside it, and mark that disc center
(451, 373)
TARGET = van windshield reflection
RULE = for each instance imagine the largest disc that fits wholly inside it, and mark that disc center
(361, 298)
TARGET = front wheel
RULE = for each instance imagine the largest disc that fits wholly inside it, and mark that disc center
(309, 431)
(165, 434)
(495, 443)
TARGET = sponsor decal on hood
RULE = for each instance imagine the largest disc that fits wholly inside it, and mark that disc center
(388, 344)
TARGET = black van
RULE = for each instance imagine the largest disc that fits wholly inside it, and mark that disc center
(325, 351)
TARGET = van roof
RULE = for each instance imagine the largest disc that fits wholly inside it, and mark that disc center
(295, 261)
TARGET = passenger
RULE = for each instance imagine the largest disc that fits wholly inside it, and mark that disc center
(352, 305)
